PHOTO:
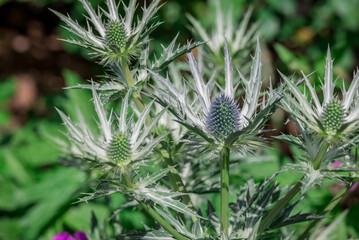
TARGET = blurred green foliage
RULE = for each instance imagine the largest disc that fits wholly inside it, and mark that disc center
(37, 192)
(7, 89)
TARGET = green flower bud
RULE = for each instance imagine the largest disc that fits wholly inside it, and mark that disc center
(116, 35)
(333, 116)
(119, 150)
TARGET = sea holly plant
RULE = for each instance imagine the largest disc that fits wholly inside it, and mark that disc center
(152, 134)
(119, 151)
(333, 121)
(329, 131)
(218, 126)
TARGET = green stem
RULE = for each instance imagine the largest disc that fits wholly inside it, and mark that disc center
(127, 73)
(131, 83)
(286, 199)
(162, 222)
(320, 155)
(280, 205)
(224, 167)
(126, 178)
(332, 204)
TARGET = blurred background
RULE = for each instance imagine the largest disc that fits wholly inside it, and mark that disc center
(37, 192)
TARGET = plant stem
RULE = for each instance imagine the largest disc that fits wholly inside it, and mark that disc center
(131, 83)
(320, 155)
(286, 199)
(127, 73)
(332, 204)
(126, 178)
(224, 167)
(280, 205)
(162, 222)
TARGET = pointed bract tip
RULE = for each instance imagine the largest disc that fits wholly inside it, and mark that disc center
(328, 52)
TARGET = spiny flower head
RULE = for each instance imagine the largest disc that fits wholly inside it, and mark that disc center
(219, 122)
(333, 116)
(116, 36)
(119, 143)
(223, 117)
(119, 150)
(335, 120)
(108, 32)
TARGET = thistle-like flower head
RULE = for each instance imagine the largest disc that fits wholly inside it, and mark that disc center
(119, 150)
(336, 118)
(119, 143)
(109, 35)
(223, 117)
(333, 117)
(220, 121)
(116, 36)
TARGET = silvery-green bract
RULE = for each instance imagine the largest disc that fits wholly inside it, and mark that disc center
(239, 33)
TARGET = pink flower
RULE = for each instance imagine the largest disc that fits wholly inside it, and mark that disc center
(336, 164)
(67, 236)
(63, 236)
(355, 185)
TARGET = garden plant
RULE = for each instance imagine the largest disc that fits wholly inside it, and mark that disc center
(170, 133)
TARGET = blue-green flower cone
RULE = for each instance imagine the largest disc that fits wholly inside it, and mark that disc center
(223, 117)
(333, 116)
(119, 150)
(115, 35)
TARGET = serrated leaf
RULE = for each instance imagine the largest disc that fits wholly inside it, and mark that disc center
(153, 178)
(170, 53)
(105, 86)
(151, 235)
(253, 235)
(180, 227)
(289, 139)
(166, 199)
